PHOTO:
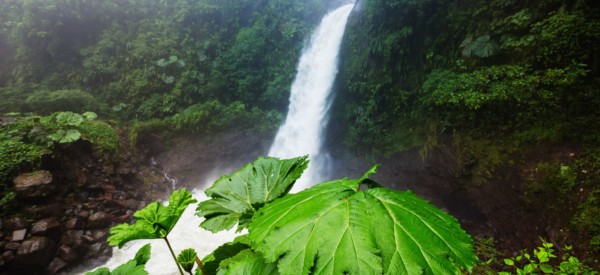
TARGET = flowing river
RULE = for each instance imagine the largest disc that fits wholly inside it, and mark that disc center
(301, 134)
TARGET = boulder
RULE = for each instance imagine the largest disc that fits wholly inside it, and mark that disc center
(19, 235)
(13, 246)
(99, 235)
(8, 256)
(99, 220)
(71, 237)
(74, 223)
(47, 210)
(34, 185)
(47, 227)
(94, 251)
(73, 254)
(57, 265)
(15, 223)
(34, 255)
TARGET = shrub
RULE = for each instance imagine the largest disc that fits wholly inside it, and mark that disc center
(43, 102)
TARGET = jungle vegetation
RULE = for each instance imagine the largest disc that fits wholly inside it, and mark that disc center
(495, 78)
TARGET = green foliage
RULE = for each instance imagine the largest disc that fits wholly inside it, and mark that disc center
(541, 262)
(324, 229)
(503, 97)
(186, 259)
(44, 102)
(482, 46)
(153, 221)
(100, 134)
(133, 267)
(236, 197)
(7, 203)
(150, 59)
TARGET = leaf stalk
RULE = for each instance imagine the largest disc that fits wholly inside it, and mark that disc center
(173, 254)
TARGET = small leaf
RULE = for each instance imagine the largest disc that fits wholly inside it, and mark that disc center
(509, 262)
(186, 259)
(129, 268)
(162, 62)
(529, 268)
(99, 271)
(172, 58)
(235, 197)
(153, 221)
(143, 255)
(89, 116)
(546, 269)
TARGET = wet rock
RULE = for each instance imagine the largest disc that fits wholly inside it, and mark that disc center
(46, 227)
(72, 254)
(19, 235)
(15, 223)
(34, 255)
(8, 256)
(48, 210)
(34, 185)
(2, 263)
(116, 204)
(74, 223)
(99, 235)
(13, 246)
(98, 220)
(84, 214)
(71, 237)
(133, 204)
(94, 251)
(57, 265)
(88, 239)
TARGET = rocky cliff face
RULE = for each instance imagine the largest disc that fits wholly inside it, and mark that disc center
(66, 209)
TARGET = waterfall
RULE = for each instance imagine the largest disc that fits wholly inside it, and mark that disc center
(302, 132)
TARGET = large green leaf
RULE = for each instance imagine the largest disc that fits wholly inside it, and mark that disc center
(336, 228)
(62, 136)
(235, 197)
(69, 118)
(153, 221)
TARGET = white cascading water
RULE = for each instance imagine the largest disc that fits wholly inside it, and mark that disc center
(301, 134)
(302, 131)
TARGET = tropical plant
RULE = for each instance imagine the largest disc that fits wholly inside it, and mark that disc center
(541, 261)
(326, 229)
(154, 221)
(482, 46)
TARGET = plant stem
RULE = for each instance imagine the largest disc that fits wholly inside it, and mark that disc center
(173, 254)
(200, 265)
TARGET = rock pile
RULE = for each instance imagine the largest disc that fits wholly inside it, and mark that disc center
(65, 214)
